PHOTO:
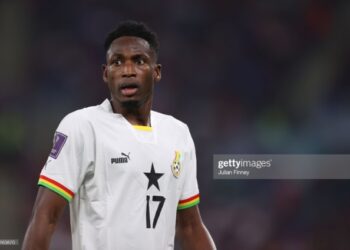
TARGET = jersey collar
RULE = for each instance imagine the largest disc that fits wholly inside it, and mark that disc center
(107, 106)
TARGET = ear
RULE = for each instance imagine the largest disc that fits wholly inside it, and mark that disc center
(157, 73)
(104, 73)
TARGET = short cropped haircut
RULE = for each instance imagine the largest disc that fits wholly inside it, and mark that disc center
(133, 28)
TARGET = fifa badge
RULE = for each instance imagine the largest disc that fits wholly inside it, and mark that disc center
(176, 166)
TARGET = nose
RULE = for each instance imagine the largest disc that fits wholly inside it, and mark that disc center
(128, 70)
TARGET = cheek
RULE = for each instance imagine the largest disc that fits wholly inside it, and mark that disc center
(112, 85)
(148, 77)
(112, 76)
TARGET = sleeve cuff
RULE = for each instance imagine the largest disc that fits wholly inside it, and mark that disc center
(56, 187)
(189, 202)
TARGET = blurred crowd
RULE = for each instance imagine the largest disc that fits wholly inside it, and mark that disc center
(246, 76)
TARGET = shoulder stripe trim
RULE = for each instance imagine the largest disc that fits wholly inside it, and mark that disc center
(56, 187)
(189, 202)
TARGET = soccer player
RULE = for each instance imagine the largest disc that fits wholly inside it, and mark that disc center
(127, 172)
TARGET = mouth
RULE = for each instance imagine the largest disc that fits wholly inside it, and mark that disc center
(128, 89)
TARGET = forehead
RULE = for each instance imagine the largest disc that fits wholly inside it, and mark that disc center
(129, 44)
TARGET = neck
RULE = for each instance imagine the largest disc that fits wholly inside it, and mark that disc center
(134, 113)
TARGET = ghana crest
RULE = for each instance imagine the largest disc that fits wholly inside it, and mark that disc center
(176, 167)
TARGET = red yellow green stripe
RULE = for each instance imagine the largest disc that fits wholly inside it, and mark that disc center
(190, 202)
(56, 187)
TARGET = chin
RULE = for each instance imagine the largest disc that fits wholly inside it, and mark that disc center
(131, 104)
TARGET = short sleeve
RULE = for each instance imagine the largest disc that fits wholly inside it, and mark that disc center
(70, 157)
(190, 193)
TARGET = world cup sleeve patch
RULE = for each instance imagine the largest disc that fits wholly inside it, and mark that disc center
(58, 142)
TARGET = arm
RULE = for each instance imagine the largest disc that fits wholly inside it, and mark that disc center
(191, 231)
(47, 210)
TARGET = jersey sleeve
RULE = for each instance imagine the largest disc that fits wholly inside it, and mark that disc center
(70, 158)
(190, 193)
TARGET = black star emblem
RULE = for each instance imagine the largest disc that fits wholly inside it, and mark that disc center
(153, 178)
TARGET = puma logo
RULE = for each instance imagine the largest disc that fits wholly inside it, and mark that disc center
(126, 155)
(124, 159)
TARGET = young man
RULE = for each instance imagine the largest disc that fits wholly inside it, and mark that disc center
(128, 173)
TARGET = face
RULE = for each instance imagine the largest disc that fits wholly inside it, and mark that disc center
(131, 70)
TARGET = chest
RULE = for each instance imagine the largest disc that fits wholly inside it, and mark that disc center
(140, 161)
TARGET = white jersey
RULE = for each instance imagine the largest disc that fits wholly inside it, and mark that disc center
(124, 183)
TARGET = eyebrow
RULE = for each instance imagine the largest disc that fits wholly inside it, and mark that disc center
(137, 55)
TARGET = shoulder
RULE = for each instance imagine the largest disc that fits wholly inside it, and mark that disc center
(171, 123)
(169, 120)
(84, 114)
(79, 119)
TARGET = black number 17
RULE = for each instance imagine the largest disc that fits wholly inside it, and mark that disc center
(161, 201)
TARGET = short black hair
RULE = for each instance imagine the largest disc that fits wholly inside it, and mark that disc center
(133, 28)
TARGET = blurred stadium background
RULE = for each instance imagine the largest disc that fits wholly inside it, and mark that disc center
(247, 76)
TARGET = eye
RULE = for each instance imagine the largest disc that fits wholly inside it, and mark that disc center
(117, 61)
(140, 61)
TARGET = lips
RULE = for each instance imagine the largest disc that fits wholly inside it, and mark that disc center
(128, 89)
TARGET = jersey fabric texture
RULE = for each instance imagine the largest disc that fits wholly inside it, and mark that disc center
(124, 183)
